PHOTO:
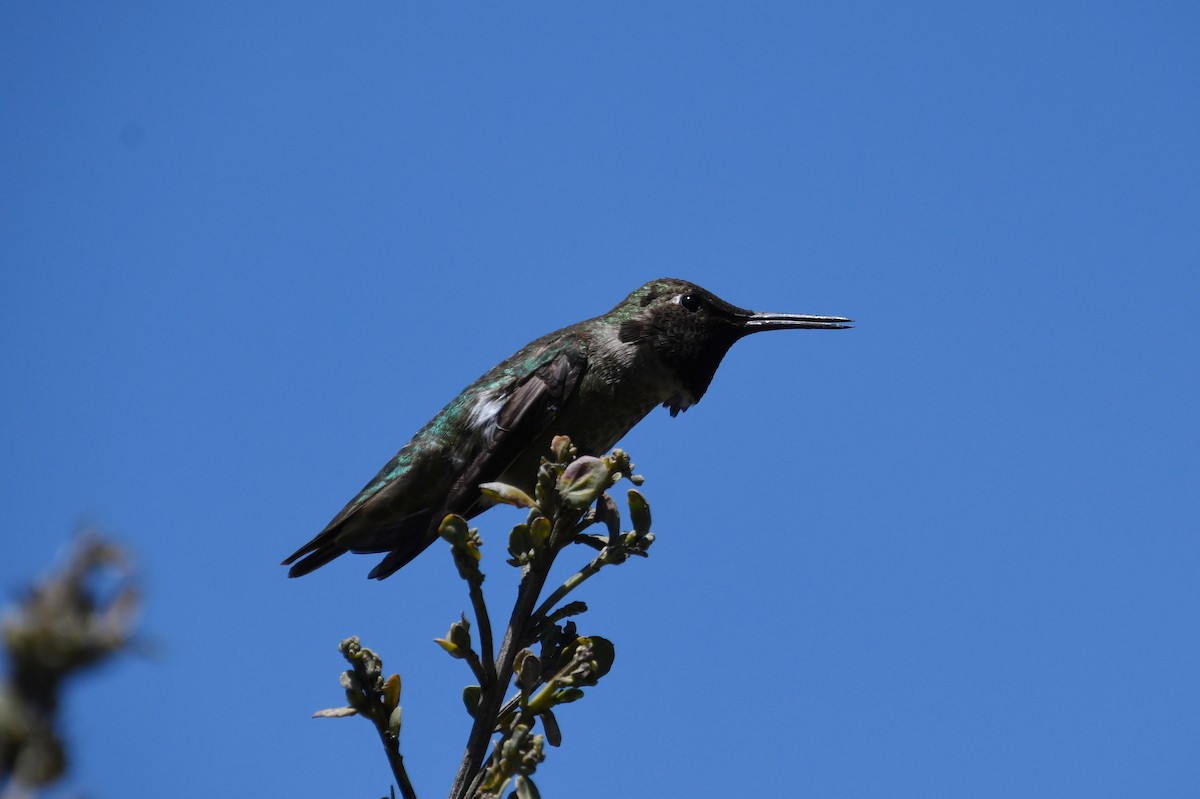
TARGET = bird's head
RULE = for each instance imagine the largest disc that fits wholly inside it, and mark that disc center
(691, 329)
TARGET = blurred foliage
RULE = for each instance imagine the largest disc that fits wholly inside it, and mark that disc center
(70, 622)
(542, 662)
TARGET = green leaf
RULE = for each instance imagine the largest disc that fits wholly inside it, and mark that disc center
(464, 545)
(586, 661)
(525, 788)
(335, 713)
(454, 529)
(394, 722)
(568, 695)
(520, 544)
(471, 695)
(607, 512)
(391, 691)
(639, 512)
(583, 481)
(550, 724)
(567, 610)
(458, 641)
(539, 532)
(454, 651)
(561, 449)
(507, 495)
(618, 461)
(603, 654)
(528, 669)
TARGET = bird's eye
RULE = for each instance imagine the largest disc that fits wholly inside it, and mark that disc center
(689, 301)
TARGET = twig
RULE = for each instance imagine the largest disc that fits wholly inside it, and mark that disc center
(569, 585)
(493, 695)
(485, 633)
(391, 745)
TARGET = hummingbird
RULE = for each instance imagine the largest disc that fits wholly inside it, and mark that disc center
(592, 381)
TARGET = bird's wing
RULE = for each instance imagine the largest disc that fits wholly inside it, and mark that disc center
(399, 511)
(523, 417)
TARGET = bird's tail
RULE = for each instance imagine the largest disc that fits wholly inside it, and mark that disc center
(403, 540)
(404, 550)
(316, 553)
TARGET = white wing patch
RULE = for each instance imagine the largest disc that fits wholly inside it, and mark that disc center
(482, 419)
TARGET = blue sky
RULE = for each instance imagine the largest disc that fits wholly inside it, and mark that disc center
(247, 251)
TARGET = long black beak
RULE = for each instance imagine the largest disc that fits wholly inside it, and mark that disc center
(792, 321)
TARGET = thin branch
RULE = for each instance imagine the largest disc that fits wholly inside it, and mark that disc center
(391, 745)
(492, 695)
(485, 633)
(569, 585)
(476, 666)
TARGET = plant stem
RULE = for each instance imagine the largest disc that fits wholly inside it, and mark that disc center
(569, 585)
(485, 633)
(493, 694)
(391, 745)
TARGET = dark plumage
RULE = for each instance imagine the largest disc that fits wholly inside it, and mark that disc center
(592, 381)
